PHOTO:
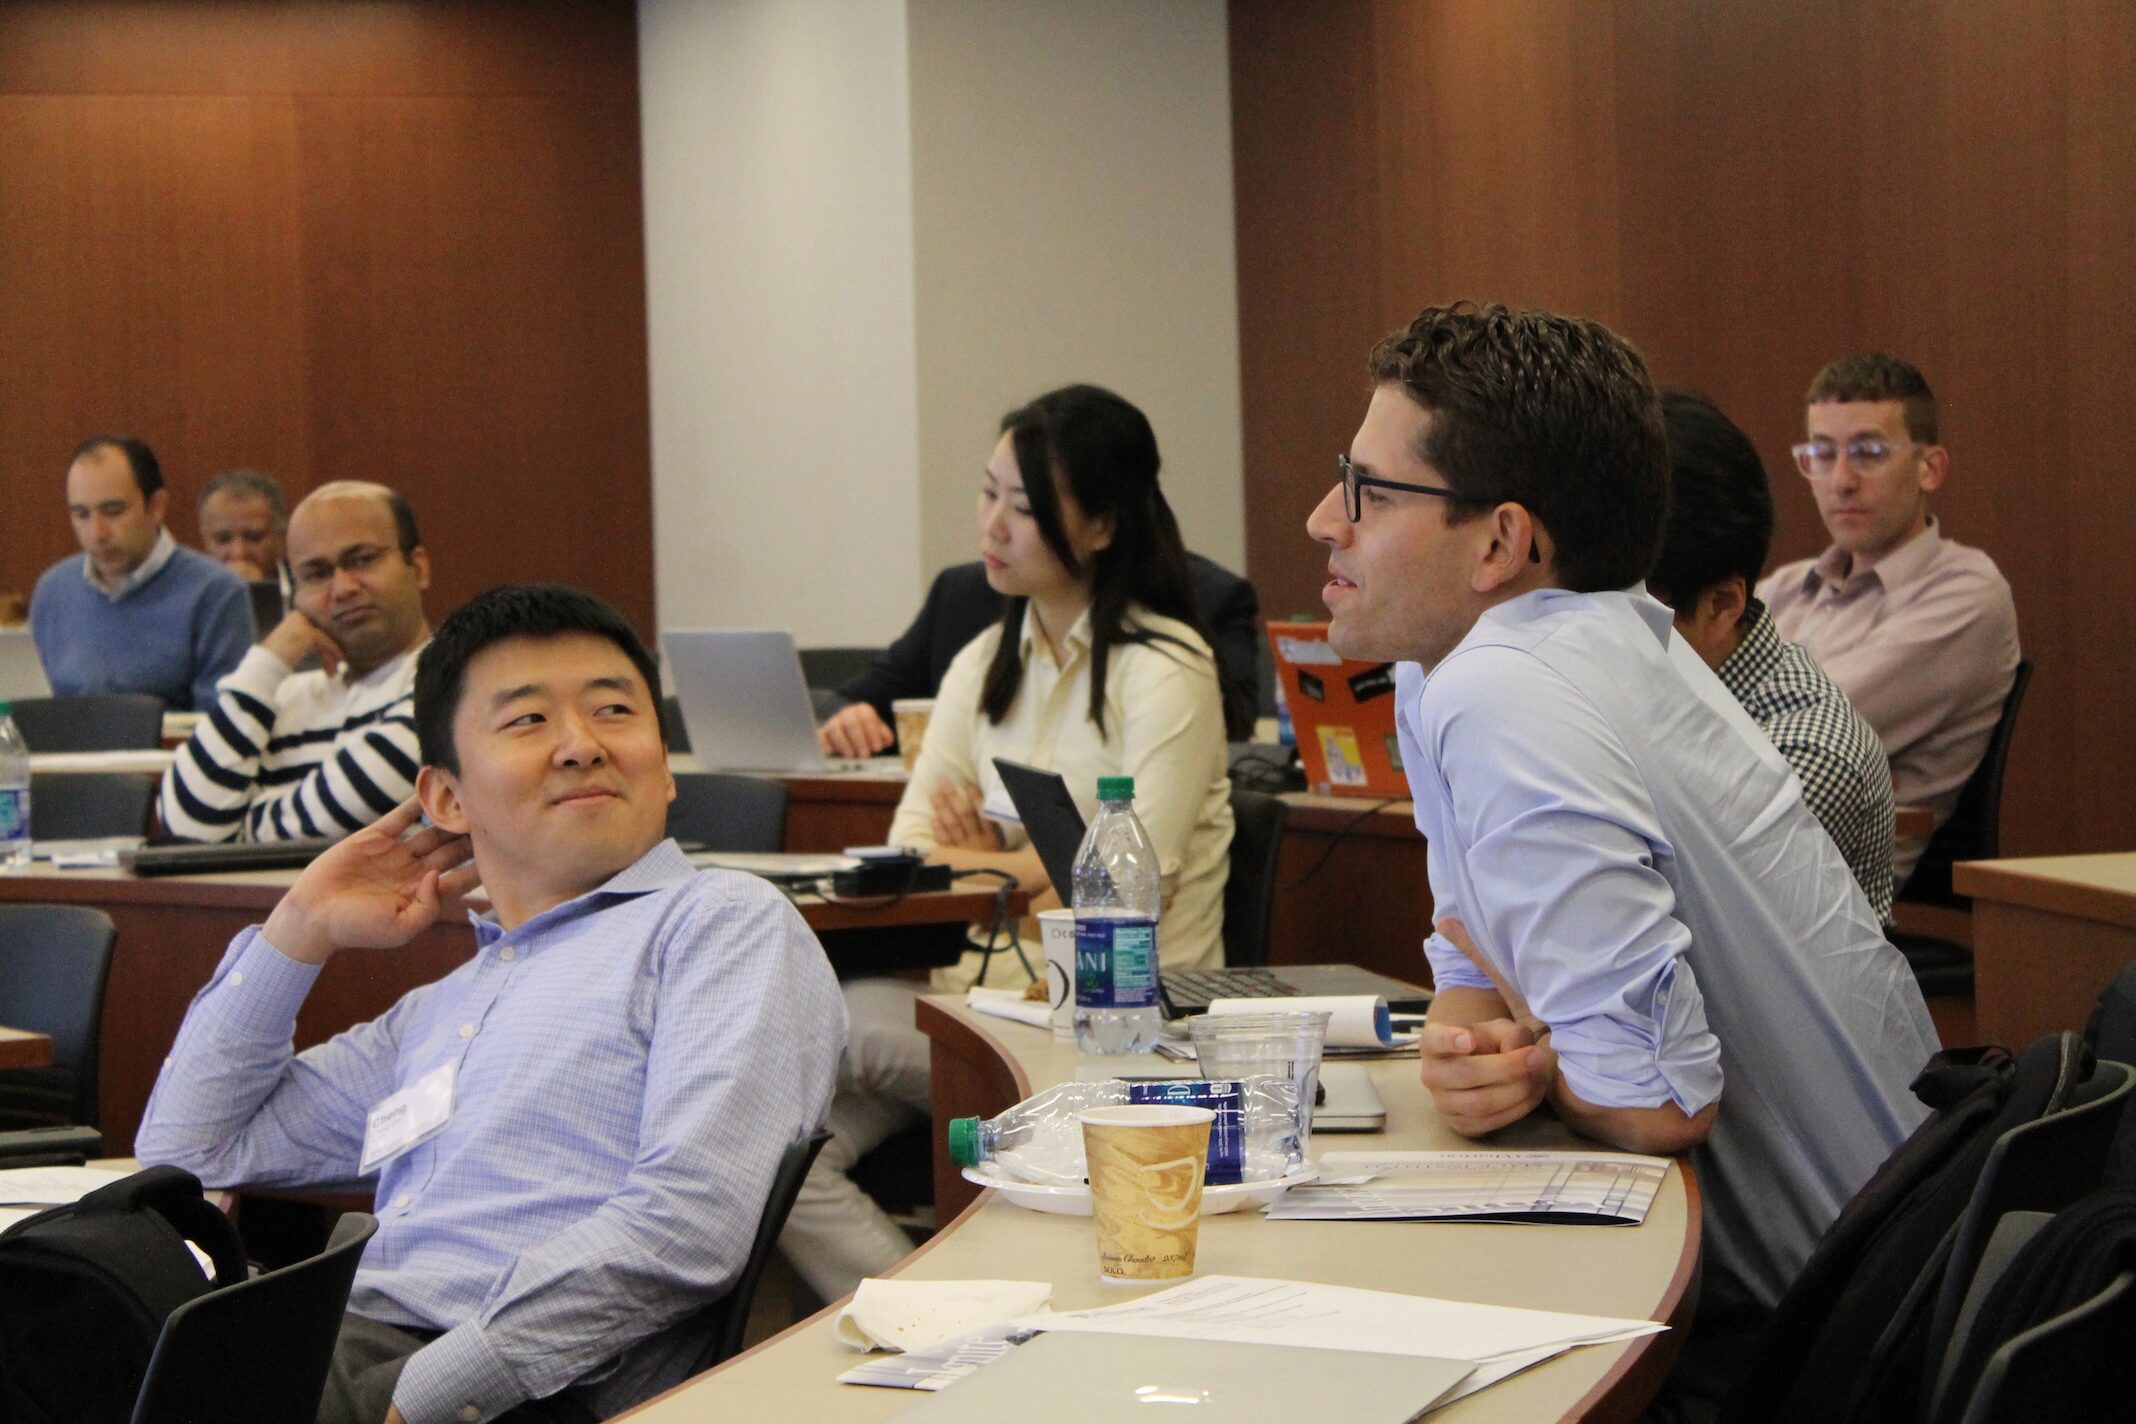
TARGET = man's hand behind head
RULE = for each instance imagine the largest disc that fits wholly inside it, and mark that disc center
(378, 889)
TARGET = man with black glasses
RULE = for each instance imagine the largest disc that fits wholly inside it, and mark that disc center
(1920, 632)
(289, 755)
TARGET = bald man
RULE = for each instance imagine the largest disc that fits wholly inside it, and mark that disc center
(288, 755)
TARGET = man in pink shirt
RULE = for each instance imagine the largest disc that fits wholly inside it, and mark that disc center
(1919, 631)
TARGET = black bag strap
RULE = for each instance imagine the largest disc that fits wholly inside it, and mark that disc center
(174, 1195)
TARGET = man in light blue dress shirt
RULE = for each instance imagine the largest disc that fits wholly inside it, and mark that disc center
(1639, 921)
(571, 1136)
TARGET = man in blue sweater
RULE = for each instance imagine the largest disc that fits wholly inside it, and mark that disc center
(136, 613)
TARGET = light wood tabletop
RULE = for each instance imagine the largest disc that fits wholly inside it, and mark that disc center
(1644, 1271)
(24, 1048)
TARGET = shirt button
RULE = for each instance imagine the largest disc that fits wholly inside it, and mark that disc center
(508, 954)
(401, 1202)
(467, 1030)
(237, 977)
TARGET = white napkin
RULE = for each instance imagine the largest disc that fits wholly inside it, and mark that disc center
(1009, 1004)
(914, 1315)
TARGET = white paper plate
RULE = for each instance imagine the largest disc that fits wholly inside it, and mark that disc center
(1075, 1201)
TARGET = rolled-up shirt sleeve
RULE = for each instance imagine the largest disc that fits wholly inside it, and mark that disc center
(1562, 888)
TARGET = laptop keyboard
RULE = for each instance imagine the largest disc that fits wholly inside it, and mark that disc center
(1190, 991)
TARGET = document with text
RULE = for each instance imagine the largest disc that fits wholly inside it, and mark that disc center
(1558, 1188)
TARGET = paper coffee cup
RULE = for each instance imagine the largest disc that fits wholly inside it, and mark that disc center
(911, 715)
(1145, 1164)
(1057, 929)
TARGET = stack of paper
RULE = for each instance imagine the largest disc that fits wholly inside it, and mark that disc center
(1559, 1188)
(26, 1191)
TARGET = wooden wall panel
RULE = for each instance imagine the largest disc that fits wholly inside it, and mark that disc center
(335, 240)
(1746, 191)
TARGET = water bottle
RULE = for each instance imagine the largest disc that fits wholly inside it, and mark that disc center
(1040, 1140)
(14, 795)
(1117, 898)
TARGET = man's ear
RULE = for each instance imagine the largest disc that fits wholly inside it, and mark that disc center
(1935, 468)
(1512, 534)
(419, 560)
(159, 502)
(1725, 602)
(439, 791)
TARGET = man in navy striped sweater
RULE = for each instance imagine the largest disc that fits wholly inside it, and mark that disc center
(286, 755)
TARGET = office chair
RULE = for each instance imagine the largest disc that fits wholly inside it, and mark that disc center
(1250, 890)
(1973, 832)
(103, 722)
(54, 963)
(678, 736)
(256, 1352)
(833, 667)
(718, 811)
(78, 805)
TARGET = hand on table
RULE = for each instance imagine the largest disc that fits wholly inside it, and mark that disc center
(376, 890)
(296, 638)
(1485, 1075)
(856, 731)
(957, 818)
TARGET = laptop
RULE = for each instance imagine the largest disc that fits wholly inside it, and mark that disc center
(1343, 712)
(744, 701)
(1066, 1377)
(22, 673)
(1055, 825)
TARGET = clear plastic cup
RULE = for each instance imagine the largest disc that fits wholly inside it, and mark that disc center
(1276, 1059)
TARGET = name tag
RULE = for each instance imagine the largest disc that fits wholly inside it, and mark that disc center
(409, 1118)
(998, 806)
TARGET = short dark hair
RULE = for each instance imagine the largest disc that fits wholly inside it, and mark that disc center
(1874, 376)
(410, 537)
(1720, 503)
(513, 610)
(148, 475)
(1555, 413)
(247, 484)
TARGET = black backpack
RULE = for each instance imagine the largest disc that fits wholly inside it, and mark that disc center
(84, 1290)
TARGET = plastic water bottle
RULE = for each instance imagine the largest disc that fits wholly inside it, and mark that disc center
(1117, 898)
(14, 795)
(1040, 1140)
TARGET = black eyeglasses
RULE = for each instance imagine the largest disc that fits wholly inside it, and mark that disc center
(1353, 485)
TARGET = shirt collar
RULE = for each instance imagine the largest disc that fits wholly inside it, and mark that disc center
(159, 554)
(661, 868)
(1077, 638)
(1901, 566)
(1746, 667)
(383, 673)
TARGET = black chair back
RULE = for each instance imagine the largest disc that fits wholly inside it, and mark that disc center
(2111, 1032)
(256, 1352)
(76, 805)
(720, 811)
(727, 1319)
(1974, 830)
(54, 963)
(1250, 892)
(678, 736)
(103, 722)
(834, 667)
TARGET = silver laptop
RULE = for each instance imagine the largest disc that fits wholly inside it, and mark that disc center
(744, 701)
(1072, 1378)
(22, 672)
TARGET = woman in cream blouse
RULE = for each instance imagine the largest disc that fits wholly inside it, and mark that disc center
(1097, 668)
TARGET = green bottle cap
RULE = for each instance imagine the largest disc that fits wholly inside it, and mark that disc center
(964, 1141)
(1116, 788)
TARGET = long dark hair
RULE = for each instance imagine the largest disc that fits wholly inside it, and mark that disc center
(1103, 449)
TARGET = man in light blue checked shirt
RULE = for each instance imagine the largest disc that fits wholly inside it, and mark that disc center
(572, 1135)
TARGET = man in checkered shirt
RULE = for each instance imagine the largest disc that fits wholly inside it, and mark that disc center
(1720, 527)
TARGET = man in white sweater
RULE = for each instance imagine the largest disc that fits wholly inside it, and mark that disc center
(287, 755)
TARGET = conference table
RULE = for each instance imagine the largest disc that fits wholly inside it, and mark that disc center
(2049, 932)
(981, 1065)
(172, 931)
(25, 1048)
